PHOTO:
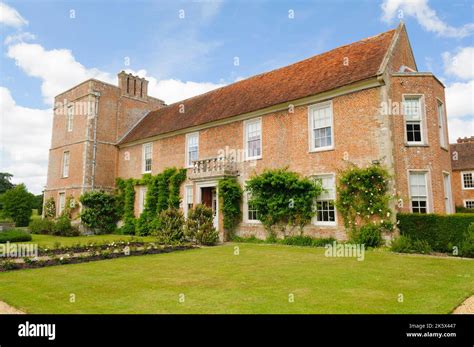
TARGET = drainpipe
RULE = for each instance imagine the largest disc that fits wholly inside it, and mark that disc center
(94, 151)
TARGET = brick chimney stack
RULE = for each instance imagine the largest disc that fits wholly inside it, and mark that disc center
(133, 86)
(465, 140)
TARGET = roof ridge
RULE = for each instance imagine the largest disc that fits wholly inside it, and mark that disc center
(282, 67)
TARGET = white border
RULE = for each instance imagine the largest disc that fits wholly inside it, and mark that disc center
(186, 154)
(143, 157)
(311, 108)
(246, 123)
(424, 133)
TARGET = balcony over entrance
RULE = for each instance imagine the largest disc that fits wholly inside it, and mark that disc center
(213, 168)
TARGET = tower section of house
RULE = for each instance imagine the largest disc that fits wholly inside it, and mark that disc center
(360, 104)
(88, 121)
(416, 108)
(462, 161)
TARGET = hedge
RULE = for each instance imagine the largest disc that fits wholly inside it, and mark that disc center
(14, 235)
(442, 232)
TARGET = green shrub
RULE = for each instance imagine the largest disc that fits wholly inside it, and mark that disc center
(50, 208)
(170, 226)
(467, 246)
(41, 226)
(402, 244)
(199, 226)
(230, 195)
(462, 209)
(251, 239)
(363, 195)
(283, 198)
(99, 212)
(306, 241)
(62, 227)
(369, 235)
(14, 235)
(128, 227)
(421, 246)
(442, 232)
(18, 204)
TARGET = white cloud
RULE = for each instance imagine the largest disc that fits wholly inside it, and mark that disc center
(10, 17)
(460, 64)
(25, 139)
(425, 15)
(20, 37)
(460, 128)
(460, 99)
(172, 90)
(57, 68)
(460, 109)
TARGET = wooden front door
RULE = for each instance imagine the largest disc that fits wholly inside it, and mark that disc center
(206, 196)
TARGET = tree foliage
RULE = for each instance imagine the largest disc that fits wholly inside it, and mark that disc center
(18, 204)
(230, 195)
(200, 227)
(362, 196)
(283, 198)
(99, 211)
(5, 182)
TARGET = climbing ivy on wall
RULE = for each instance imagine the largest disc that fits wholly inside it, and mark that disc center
(125, 199)
(363, 197)
(230, 195)
(162, 192)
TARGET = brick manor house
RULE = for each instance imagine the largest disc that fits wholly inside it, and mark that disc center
(360, 103)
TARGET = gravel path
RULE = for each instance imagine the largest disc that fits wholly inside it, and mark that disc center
(467, 307)
(7, 309)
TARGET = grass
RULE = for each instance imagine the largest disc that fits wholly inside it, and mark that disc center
(49, 241)
(258, 280)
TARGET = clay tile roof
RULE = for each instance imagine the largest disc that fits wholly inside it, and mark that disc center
(312, 76)
(465, 155)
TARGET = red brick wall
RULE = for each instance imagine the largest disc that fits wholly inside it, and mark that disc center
(459, 193)
(431, 157)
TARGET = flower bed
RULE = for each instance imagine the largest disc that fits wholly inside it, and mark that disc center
(82, 254)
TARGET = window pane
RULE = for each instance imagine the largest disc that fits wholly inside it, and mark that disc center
(468, 180)
(412, 108)
(322, 123)
(253, 135)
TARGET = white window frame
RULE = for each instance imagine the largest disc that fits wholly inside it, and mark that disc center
(144, 149)
(66, 163)
(466, 201)
(141, 199)
(311, 139)
(462, 179)
(61, 202)
(427, 185)
(70, 118)
(315, 218)
(443, 138)
(187, 189)
(246, 211)
(423, 140)
(188, 137)
(247, 123)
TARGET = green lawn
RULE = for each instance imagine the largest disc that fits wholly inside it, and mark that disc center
(49, 240)
(258, 280)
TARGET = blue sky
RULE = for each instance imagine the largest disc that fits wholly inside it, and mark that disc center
(45, 51)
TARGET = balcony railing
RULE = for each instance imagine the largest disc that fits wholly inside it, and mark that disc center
(213, 167)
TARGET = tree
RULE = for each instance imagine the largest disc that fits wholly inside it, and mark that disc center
(18, 204)
(99, 211)
(5, 183)
(39, 204)
(283, 198)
